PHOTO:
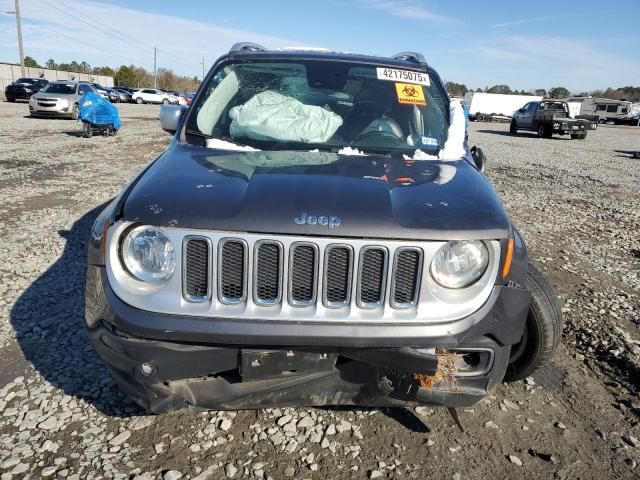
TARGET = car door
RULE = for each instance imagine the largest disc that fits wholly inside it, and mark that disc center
(147, 95)
(519, 114)
(527, 116)
(160, 95)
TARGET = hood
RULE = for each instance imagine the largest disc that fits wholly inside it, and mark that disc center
(53, 95)
(315, 193)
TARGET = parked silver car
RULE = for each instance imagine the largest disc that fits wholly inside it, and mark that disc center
(59, 99)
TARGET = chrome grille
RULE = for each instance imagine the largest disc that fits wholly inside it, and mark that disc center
(372, 276)
(303, 274)
(232, 275)
(196, 269)
(407, 270)
(436, 308)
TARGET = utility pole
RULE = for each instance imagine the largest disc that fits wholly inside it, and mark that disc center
(20, 47)
(203, 68)
(155, 70)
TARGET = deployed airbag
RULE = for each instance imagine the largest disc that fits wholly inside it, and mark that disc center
(271, 116)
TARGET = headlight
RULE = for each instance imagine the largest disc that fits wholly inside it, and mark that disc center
(458, 264)
(148, 254)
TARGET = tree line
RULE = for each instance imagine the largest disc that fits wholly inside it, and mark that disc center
(625, 93)
(125, 75)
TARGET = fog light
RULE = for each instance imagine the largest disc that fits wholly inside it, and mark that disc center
(147, 368)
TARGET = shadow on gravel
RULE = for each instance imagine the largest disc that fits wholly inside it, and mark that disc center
(519, 134)
(74, 133)
(407, 419)
(48, 319)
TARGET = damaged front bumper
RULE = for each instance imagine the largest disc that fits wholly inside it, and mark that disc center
(165, 362)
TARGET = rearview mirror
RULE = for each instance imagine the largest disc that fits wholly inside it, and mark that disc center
(479, 158)
(170, 116)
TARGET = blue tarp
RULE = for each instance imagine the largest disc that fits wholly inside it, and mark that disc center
(98, 111)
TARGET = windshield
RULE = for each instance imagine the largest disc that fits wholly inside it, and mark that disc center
(26, 80)
(63, 88)
(329, 105)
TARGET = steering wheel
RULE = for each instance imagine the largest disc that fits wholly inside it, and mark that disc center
(378, 135)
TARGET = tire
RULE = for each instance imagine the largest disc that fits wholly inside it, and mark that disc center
(139, 101)
(87, 131)
(544, 131)
(11, 100)
(576, 136)
(76, 112)
(543, 329)
(513, 128)
(583, 135)
(165, 101)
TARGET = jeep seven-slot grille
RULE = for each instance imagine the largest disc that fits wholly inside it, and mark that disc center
(302, 274)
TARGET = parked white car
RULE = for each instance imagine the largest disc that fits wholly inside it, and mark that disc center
(151, 95)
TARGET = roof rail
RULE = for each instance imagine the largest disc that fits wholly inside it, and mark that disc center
(411, 57)
(246, 47)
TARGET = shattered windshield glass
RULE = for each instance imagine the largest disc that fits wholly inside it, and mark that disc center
(328, 105)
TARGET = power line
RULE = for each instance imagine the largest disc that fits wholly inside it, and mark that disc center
(77, 40)
(96, 24)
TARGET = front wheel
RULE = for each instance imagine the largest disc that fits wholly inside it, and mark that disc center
(513, 128)
(544, 131)
(76, 112)
(11, 100)
(165, 101)
(87, 131)
(139, 101)
(542, 331)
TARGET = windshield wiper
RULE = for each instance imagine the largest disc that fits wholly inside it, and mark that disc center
(197, 134)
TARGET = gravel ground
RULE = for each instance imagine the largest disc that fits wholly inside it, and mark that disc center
(61, 416)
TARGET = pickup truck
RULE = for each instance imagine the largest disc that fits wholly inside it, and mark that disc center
(317, 232)
(548, 117)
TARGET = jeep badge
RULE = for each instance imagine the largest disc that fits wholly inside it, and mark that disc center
(330, 221)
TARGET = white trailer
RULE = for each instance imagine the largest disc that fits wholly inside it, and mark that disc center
(487, 106)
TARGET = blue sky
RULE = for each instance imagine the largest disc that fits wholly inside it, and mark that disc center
(583, 46)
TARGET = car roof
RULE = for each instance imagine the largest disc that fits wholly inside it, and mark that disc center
(245, 50)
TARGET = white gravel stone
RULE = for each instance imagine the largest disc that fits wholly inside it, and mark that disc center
(20, 468)
(48, 471)
(305, 422)
(48, 424)
(120, 438)
(230, 470)
(490, 424)
(515, 460)
(225, 424)
(172, 475)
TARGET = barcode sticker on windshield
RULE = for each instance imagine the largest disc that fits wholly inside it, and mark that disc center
(395, 75)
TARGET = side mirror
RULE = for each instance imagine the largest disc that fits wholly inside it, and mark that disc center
(479, 158)
(170, 116)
